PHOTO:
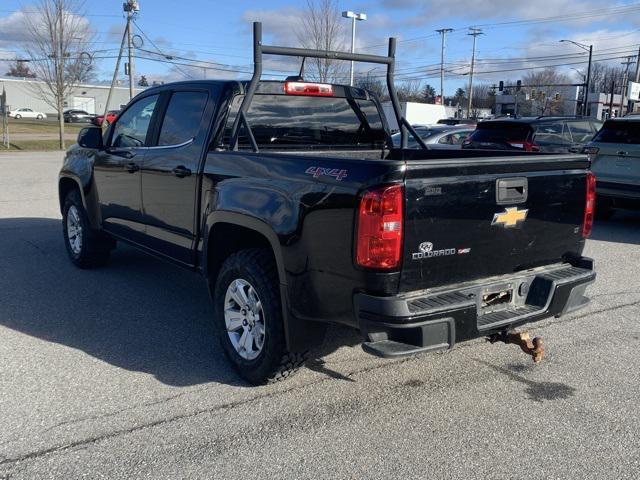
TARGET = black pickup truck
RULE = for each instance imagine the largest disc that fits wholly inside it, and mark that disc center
(290, 199)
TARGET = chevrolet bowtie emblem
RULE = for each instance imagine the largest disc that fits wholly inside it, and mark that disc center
(510, 217)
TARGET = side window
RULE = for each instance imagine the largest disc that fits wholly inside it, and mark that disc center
(446, 140)
(182, 119)
(581, 131)
(131, 128)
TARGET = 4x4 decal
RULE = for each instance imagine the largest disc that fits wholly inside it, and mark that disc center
(318, 172)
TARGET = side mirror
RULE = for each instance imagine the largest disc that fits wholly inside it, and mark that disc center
(91, 137)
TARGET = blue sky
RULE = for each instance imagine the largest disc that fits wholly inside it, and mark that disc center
(216, 31)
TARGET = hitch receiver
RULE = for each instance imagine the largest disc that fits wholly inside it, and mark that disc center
(534, 347)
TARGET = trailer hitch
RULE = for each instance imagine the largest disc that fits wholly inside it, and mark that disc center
(534, 347)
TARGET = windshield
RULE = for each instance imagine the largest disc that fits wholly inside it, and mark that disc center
(282, 121)
(619, 131)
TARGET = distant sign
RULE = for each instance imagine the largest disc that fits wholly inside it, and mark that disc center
(634, 91)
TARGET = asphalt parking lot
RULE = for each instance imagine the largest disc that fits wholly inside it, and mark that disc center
(115, 373)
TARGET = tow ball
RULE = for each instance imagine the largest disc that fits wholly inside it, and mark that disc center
(533, 347)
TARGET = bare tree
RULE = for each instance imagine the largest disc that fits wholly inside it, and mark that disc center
(543, 92)
(373, 84)
(483, 96)
(603, 76)
(322, 29)
(59, 38)
(411, 91)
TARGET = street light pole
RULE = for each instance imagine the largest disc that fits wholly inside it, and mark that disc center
(585, 96)
(353, 16)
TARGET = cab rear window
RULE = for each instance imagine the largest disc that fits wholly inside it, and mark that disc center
(280, 121)
(619, 131)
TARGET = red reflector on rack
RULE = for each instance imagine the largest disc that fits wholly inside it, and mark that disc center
(308, 89)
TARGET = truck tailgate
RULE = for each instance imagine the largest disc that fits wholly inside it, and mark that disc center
(467, 219)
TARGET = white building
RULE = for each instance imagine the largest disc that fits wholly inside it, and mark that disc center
(24, 93)
(425, 113)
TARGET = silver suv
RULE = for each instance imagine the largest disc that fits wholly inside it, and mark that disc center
(615, 153)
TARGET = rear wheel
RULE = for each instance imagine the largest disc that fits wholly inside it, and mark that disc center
(39, 117)
(87, 248)
(248, 316)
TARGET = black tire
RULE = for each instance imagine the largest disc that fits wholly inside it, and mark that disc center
(39, 117)
(18, 117)
(274, 362)
(94, 247)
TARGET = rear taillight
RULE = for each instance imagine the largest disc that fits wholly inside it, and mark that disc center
(526, 146)
(589, 205)
(380, 228)
(308, 89)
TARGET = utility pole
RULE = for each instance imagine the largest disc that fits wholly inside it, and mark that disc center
(631, 105)
(115, 72)
(625, 82)
(474, 32)
(59, 66)
(443, 32)
(131, 7)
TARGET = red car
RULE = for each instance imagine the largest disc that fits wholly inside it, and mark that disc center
(110, 117)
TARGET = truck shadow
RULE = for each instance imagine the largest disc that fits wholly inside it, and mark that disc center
(623, 227)
(138, 313)
(535, 390)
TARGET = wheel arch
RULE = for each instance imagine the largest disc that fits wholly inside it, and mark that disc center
(228, 232)
(66, 184)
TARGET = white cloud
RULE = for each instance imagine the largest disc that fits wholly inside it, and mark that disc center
(426, 11)
(13, 30)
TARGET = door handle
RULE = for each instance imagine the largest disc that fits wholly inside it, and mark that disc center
(575, 149)
(132, 167)
(622, 153)
(181, 171)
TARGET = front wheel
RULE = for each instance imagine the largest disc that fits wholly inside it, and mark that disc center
(18, 117)
(87, 248)
(248, 316)
(39, 117)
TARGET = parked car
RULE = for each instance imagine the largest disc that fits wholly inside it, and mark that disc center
(457, 121)
(438, 136)
(109, 118)
(615, 154)
(535, 134)
(26, 113)
(77, 116)
(288, 199)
